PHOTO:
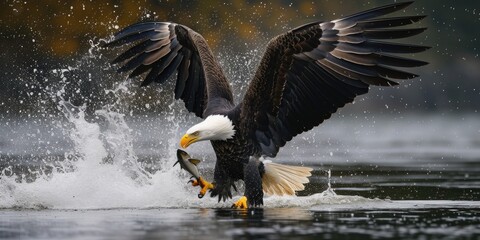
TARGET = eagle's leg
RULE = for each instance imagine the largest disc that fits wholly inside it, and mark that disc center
(224, 178)
(253, 185)
(204, 184)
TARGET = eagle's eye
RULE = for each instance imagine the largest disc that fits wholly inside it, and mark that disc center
(195, 134)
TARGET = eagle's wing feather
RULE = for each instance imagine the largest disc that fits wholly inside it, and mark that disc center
(308, 73)
(163, 48)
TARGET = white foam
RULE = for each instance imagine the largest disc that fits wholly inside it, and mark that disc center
(89, 181)
(108, 188)
(326, 198)
(101, 172)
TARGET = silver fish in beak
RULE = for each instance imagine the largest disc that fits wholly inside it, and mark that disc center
(188, 163)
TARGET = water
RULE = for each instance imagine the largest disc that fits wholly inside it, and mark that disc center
(86, 166)
(109, 180)
(410, 221)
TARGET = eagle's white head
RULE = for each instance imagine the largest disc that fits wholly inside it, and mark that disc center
(214, 127)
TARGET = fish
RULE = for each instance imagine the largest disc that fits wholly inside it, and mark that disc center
(188, 163)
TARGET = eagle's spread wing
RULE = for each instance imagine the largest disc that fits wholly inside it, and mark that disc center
(311, 71)
(164, 48)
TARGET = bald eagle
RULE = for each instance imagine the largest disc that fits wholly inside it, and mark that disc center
(304, 76)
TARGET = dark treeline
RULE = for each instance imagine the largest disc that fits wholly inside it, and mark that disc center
(38, 36)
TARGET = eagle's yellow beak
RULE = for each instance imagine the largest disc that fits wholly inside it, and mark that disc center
(187, 140)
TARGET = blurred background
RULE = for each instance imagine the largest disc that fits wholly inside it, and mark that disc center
(37, 37)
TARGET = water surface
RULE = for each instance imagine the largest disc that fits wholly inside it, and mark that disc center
(416, 177)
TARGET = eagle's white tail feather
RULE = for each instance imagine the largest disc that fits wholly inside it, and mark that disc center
(280, 179)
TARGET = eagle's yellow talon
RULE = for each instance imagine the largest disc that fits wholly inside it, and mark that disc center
(241, 203)
(194, 182)
(205, 185)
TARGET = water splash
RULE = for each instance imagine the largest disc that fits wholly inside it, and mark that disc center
(329, 192)
(104, 173)
(102, 168)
